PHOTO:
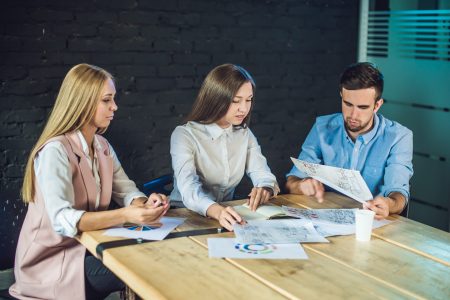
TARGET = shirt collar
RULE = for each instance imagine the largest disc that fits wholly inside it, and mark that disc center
(84, 145)
(214, 130)
(368, 136)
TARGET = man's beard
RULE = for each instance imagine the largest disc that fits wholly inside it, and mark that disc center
(355, 129)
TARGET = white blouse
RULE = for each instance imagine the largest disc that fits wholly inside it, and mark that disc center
(209, 162)
(54, 176)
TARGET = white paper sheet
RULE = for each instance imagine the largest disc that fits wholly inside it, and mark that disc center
(348, 182)
(335, 216)
(146, 232)
(330, 222)
(277, 232)
(229, 248)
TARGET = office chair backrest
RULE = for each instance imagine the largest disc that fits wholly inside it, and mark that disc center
(161, 185)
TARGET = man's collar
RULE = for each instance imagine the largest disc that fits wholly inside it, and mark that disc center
(368, 136)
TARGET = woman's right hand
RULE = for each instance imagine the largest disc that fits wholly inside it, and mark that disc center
(144, 214)
(228, 216)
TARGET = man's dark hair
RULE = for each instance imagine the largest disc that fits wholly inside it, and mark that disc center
(362, 75)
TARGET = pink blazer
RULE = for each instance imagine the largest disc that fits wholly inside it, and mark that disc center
(48, 265)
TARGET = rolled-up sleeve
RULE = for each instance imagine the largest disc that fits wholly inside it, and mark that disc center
(54, 176)
(124, 190)
(257, 168)
(310, 152)
(187, 180)
(399, 168)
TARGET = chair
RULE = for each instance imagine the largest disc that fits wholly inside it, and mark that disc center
(159, 185)
(13, 214)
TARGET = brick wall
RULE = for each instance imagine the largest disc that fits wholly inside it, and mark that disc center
(160, 52)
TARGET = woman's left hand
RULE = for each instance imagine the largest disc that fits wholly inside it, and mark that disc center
(259, 196)
(156, 200)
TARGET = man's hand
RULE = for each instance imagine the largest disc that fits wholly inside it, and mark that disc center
(306, 186)
(259, 196)
(383, 206)
(380, 205)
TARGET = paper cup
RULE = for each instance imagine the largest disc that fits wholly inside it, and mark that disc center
(364, 221)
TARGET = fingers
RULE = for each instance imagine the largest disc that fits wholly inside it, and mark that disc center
(236, 217)
(318, 190)
(312, 187)
(229, 217)
(156, 200)
(251, 199)
(255, 199)
(258, 196)
(379, 206)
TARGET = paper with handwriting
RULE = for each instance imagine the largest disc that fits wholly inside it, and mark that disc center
(348, 182)
(277, 232)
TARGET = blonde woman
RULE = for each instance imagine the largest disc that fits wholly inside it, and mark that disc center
(213, 151)
(71, 175)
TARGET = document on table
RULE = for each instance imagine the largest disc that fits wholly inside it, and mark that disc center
(348, 182)
(335, 216)
(230, 248)
(330, 222)
(277, 232)
(146, 232)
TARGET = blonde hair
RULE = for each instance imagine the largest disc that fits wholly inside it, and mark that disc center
(75, 106)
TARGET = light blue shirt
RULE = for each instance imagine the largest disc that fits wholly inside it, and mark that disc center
(383, 155)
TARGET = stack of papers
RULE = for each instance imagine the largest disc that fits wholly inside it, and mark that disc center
(261, 239)
(277, 232)
(330, 222)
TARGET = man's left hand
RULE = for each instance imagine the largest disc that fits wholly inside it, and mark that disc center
(380, 205)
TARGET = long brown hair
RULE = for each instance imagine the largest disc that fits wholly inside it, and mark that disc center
(217, 92)
(75, 106)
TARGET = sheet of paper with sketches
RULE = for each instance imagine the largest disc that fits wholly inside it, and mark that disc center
(335, 216)
(263, 212)
(230, 248)
(277, 232)
(348, 182)
(330, 222)
(146, 232)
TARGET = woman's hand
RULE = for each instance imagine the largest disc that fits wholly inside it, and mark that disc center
(259, 196)
(147, 211)
(226, 216)
(155, 200)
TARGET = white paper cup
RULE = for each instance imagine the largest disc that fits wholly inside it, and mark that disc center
(364, 221)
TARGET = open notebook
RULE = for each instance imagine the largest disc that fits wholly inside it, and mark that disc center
(264, 212)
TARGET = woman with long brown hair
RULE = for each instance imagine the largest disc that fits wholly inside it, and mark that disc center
(211, 153)
(71, 176)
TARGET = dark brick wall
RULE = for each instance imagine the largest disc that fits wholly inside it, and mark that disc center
(160, 52)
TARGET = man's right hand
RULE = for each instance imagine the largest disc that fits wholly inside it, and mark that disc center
(306, 186)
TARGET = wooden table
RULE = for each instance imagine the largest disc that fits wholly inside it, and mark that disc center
(404, 259)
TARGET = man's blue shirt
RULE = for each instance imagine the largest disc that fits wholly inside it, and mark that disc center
(383, 155)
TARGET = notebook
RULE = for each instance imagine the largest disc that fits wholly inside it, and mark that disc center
(264, 212)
